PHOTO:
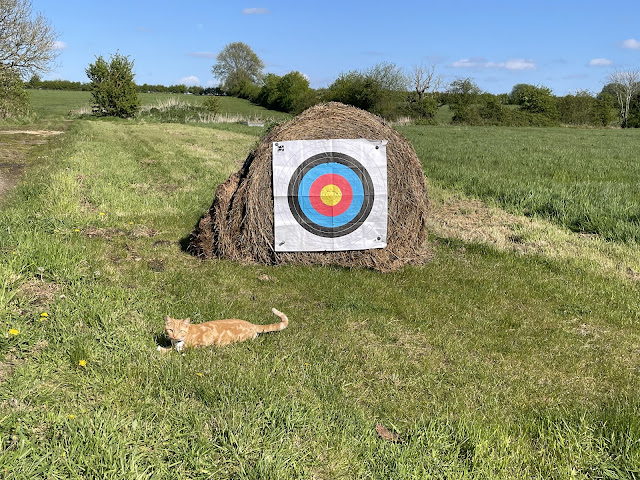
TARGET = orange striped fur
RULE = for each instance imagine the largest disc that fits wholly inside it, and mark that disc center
(183, 333)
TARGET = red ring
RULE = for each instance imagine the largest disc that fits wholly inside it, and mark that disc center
(329, 179)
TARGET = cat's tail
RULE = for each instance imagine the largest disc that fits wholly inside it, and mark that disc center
(276, 327)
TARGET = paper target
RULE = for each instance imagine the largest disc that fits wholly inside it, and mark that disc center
(330, 195)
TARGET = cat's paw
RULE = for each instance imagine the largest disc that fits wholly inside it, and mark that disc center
(163, 350)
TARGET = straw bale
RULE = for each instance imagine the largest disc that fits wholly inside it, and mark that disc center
(239, 224)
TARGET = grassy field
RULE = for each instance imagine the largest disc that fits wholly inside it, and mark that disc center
(583, 179)
(489, 361)
(54, 104)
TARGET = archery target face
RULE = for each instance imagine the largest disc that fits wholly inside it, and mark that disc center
(330, 195)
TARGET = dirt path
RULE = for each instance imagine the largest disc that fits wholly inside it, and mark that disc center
(14, 149)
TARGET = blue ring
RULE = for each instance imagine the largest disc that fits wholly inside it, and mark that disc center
(294, 196)
(351, 178)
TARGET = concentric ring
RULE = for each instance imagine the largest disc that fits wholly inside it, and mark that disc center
(351, 179)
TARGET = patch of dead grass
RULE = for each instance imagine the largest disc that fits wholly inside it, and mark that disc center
(38, 292)
(453, 215)
(108, 233)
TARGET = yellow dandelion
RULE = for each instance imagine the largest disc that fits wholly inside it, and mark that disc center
(102, 214)
(76, 230)
(72, 416)
(44, 315)
(13, 331)
(199, 374)
(82, 363)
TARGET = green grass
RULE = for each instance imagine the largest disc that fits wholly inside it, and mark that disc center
(489, 364)
(583, 179)
(50, 104)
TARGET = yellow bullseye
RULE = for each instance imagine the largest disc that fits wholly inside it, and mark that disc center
(331, 195)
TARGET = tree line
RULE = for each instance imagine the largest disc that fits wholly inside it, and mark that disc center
(37, 83)
(388, 91)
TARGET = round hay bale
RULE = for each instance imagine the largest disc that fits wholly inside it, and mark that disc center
(239, 224)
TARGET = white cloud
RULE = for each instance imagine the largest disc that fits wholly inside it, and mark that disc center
(189, 81)
(255, 11)
(58, 45)
(511, 64)
(202, 54)
(600, 62)
(517, 64)
(631, 43)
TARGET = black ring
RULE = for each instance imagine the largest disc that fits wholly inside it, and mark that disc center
(319, 159)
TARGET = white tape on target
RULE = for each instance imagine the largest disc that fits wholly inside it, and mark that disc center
(330, 195)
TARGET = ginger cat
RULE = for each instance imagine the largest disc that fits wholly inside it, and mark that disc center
(216, 332)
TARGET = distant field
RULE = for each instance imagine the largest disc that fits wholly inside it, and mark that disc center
(584, 179)
(58, 103)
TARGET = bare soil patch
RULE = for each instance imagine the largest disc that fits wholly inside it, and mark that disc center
(14, 149)
(44, 133)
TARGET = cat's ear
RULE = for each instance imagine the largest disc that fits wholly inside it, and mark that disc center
(187, 321)
(167, 319)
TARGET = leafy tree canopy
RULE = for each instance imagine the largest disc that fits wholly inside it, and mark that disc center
(26, 43)
(237, 64)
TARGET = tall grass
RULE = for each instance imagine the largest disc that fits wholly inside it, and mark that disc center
(583, 179)
(487, 364)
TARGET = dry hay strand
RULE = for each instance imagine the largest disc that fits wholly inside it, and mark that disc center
(239, 224)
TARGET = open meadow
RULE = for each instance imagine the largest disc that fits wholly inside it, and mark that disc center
(513, 353)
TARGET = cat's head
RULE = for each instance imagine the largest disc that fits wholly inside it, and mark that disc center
(176, 328)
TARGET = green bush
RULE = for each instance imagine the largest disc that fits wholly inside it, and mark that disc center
(381, 90)
(211, 104)
(290, 93)
(112, 87)
(423, 109)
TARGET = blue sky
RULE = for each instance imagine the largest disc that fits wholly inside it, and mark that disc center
(564, 45)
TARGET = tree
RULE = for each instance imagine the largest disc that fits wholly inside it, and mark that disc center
(26, 43)
(534, 99)
(294, 93)
(269, 94)
(578, 109)
(114, 91)
(424, 80)
(354, 88)
(624, 85)
(462, 94)
(237, 65)
(422, 100)
(13, 98)
(377, 89)
(605, 111)
(388, 77)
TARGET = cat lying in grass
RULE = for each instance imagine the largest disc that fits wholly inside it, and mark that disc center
(183, 333)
